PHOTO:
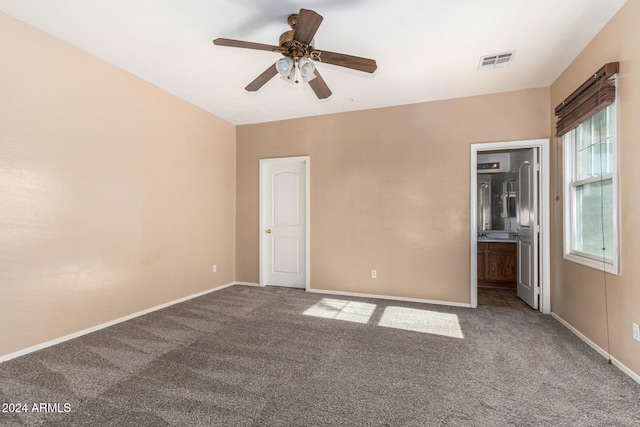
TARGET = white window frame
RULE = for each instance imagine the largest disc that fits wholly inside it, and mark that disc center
(610, 265)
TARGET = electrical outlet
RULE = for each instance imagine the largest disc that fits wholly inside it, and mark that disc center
(374, 274)
(215, 268)
(636, 332)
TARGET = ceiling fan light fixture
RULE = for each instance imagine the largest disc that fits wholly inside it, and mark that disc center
(285, 67)
(307, 69)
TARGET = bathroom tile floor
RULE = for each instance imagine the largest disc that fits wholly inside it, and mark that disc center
(501, 297)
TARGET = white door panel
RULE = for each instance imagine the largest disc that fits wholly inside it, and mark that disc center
(283, 222)
(526, 227)
(286, 198)
(525, 279)
(286, 255)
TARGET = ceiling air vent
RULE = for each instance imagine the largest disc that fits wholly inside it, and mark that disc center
(496, 60)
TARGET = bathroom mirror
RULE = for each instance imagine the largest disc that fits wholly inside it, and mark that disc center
(497, 201)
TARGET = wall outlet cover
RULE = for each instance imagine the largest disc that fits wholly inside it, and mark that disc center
(374, 274)
(636, 332)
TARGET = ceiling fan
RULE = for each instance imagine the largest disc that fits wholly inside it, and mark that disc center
(300, 56)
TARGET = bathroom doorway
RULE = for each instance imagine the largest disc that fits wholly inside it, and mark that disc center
(509, 221)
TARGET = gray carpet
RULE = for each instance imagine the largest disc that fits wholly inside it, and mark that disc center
(275, 356)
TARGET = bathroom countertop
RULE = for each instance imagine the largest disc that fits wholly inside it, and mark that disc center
(493, 236)
(488, 240)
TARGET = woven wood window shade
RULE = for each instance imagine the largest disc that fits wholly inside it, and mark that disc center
(594, 95)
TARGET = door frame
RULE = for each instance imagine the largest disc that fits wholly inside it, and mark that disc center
(262, 209)
(544, 260)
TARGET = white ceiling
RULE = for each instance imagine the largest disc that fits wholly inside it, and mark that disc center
(425, 49)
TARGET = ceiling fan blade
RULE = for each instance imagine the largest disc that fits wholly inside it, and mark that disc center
(319, 86)
(246, 45)
(306, 26)
(262, 79)
(348, 61)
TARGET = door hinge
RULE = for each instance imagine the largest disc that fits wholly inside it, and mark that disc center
(537, 167)
(537, 228)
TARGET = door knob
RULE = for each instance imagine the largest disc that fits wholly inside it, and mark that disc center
(515, 234)
(268, 231)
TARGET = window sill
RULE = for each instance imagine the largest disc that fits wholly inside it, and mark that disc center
(609, 267)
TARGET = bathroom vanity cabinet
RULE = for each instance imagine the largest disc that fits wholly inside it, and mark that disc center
(497, 264)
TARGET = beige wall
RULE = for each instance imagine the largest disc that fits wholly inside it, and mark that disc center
(389, 190)
(114, 195)
(578, 291)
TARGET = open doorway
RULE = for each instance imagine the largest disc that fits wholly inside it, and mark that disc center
(509, 241)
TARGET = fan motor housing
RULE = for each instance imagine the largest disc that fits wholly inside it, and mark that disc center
(286, 37)
(290, 47)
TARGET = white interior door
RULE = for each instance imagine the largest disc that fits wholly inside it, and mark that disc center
(527, 227)
(283, 257)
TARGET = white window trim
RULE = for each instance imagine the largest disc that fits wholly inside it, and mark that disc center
(610, 265)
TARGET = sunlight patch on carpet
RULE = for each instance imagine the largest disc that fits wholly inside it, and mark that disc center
(425, 321)
(350, 311)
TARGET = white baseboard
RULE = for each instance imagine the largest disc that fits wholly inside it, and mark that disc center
(247, 283)
(107, 324)
(386, 297)
(597, 348)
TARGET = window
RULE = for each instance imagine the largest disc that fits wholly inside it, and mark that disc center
(591, 200)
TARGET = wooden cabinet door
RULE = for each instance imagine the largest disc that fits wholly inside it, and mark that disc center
(482, 271)
(482, 261)
(497, 264)
(502, 266)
